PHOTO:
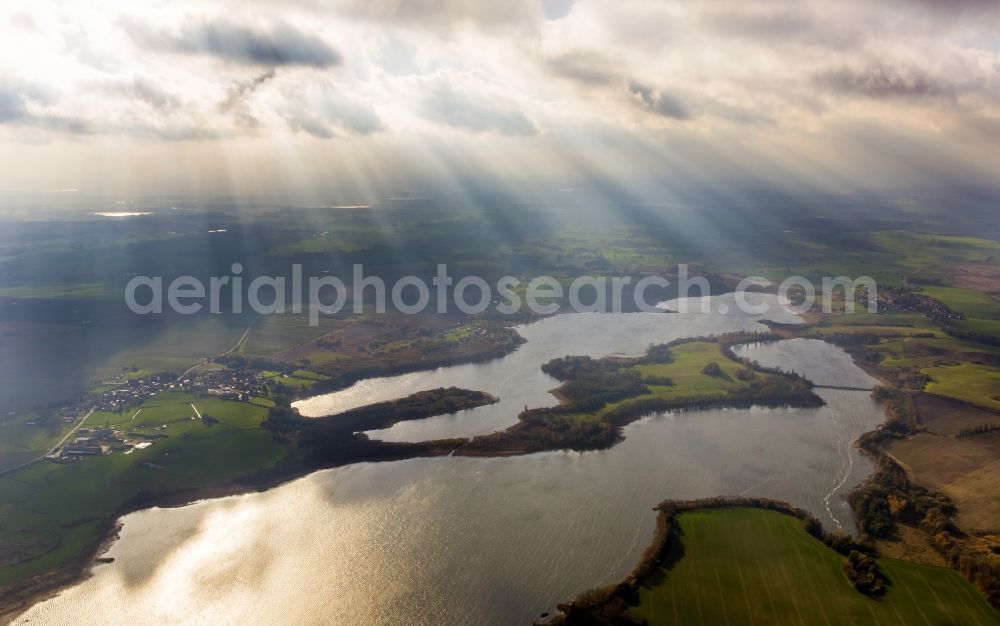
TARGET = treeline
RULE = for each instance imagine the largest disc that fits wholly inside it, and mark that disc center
(589, 383)
(243, 362)
(888, 497)
(610, 604)
(977, 430)
(967, 335)
(981, 567)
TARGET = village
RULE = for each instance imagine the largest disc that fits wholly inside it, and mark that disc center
(224, 384)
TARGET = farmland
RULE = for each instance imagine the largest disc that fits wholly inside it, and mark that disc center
(970, 382)
(751, 566)
(964, 468)
(52, 513)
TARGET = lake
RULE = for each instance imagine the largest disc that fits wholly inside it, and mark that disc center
(455, 540)
(517, 378)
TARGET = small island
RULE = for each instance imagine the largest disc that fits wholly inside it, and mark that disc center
(600, 396)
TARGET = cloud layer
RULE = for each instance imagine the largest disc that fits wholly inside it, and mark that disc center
(729, 81)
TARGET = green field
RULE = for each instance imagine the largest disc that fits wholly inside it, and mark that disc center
(931, 253)
(966, 301)
(969, 382)
(690, 383)
(272, 334)
(296, 382)
(979, 326)
(686, 372)
(754, 566)
(924, 351)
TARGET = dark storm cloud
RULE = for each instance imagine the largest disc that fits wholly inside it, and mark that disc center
(281, 45)
(658, 102)
(447, 107)
(881, 82)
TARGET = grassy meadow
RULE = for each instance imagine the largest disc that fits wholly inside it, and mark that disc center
(969, 382)
(753, 566)
(687, 378)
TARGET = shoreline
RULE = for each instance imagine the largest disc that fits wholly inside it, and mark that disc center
(664, 535)
(81, 569)
(11, 608)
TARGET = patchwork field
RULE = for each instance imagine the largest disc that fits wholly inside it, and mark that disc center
(966, 469)
(929, 253)
(753, 566)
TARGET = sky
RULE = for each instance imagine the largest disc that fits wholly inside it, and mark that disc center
(351, 98)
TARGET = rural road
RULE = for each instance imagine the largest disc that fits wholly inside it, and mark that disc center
(236, 347)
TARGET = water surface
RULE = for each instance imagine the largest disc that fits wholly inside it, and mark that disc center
(819, 361)
(517, 378)
(455, 540)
